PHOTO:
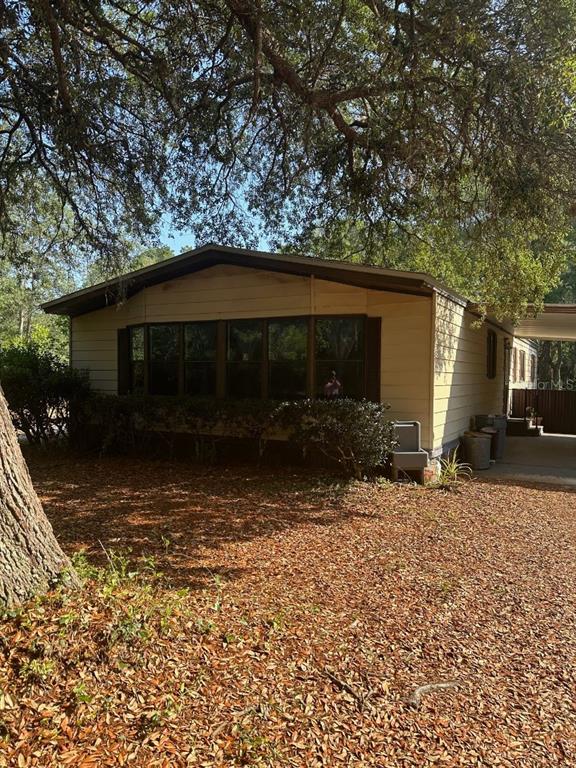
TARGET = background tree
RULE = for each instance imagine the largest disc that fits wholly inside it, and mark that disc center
(298, 115)
(557, 359)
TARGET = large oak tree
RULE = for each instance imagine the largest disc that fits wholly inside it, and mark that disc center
(447, 123)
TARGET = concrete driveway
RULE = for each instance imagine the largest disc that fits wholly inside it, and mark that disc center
(546, 459)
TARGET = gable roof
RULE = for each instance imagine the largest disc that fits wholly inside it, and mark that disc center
(118, 289)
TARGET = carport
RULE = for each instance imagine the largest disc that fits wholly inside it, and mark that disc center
(546, 459)
(550, 458)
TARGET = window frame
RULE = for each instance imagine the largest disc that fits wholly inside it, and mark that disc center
(222, 335)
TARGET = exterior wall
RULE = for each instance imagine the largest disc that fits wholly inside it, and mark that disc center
(529, 348)
(405, 375)
(230, 292)
(462, 388)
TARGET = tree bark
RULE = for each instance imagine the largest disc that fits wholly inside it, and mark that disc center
(30, 557)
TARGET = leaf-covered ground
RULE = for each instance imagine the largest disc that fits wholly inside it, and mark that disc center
(292, 620)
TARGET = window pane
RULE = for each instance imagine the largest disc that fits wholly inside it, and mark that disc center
(288, 339)
(245, 339)
(287, 381)
(137, 377)
(200, 341)
(137, 361)
(340, 338)
(348, 380)
(200, 379)
(245, 348)
(244, 379)
(136, 343)
(164, 359)
(287, 354)
(340, 357)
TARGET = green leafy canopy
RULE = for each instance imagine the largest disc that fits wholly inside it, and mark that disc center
(437, 133)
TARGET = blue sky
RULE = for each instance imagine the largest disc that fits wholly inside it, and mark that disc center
(178, 241)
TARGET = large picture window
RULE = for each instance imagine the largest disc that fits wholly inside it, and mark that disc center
(200, 340)
(278, 358)
(339, 353)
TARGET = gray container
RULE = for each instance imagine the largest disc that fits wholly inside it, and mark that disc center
(499, 423)
(477, 450)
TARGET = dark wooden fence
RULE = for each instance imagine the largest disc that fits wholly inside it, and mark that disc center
(557, 407)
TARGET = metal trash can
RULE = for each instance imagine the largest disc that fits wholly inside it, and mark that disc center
(493, 432)
(477, 449)
(500, 423)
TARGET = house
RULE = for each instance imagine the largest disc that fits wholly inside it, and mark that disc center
(238, 323)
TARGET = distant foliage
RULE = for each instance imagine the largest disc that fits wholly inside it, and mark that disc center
(354, 433)
(40, 389)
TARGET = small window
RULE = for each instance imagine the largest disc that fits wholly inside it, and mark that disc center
(137, 364)
(522, 365)
(200, 358)
(491, 354)
(164, 349)
(287, 358)
(340, 357)
(244, 358)
(532, 367)
(514, 365)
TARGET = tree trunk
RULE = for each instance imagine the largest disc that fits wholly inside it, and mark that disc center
(30, 556)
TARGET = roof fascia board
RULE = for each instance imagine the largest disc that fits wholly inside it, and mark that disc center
(113, 291)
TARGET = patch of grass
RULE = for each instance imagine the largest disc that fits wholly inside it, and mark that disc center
(38, 670)
(452, 473)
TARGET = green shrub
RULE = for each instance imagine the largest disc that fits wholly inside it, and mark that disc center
(452, 472)
(354, 433)
(40, 389)
(117, 423)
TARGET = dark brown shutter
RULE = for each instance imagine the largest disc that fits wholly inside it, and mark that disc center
(123, 345)
(373, 354)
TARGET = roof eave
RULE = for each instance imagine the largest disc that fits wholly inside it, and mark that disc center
(114, 291)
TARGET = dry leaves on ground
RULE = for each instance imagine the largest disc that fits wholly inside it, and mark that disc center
(293, 619)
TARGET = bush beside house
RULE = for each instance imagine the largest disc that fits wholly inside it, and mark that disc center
(353, 434)
(41, 390)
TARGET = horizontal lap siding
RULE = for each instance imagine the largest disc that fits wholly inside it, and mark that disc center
(461, 387)
(221, 292)
(529, 348)
(228, 292)
(406, 357)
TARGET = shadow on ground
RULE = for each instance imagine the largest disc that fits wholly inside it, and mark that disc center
(177, 512)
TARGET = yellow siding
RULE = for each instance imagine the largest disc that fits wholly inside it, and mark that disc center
(461, 387)
(406, 358)
(227, 292)
(530, 349)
